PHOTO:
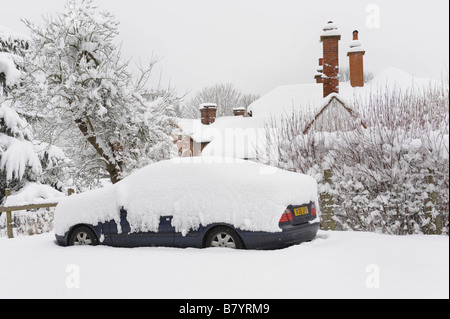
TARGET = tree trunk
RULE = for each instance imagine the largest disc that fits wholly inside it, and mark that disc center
(114, 173)
(114, 168)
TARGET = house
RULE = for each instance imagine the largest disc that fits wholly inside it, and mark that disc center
(330, 118)
(232, 136)
(326, 102)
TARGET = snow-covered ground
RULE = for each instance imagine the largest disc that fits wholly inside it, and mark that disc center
(335, 265)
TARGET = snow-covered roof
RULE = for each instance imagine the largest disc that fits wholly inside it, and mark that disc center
(334, 115)
(205, 133)
(234, 136)
(240, 136)
(308, 98)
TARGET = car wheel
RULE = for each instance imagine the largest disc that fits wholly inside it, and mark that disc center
(224, 237)
(83, 236)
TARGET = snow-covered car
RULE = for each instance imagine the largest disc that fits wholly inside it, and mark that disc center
(195, 202)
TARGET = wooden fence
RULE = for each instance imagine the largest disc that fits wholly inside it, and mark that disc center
(10, 209)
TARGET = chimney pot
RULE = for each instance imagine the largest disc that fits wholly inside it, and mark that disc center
(239, 111)
(355, 35)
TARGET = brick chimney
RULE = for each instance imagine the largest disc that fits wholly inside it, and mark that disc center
(208, 112)
(239, 111)
(356, 55)
(330, 38)
(319, 73)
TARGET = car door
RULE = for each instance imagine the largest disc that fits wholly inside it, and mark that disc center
(163, 238)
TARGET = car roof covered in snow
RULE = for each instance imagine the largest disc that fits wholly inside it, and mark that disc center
(195, 191)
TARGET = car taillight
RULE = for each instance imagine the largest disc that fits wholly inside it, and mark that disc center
(287, 216)
(313, 209)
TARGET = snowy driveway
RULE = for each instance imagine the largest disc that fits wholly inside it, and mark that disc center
(335, 265)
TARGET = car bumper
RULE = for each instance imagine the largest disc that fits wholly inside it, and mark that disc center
(62, 240)
(291, 235)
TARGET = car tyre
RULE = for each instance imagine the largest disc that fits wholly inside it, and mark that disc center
(224, 237)
(83, 236)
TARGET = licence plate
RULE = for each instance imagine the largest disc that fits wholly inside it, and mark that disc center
(301, 211)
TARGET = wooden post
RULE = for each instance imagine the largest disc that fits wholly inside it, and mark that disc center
(327, 204)
(70, 191)
(430, 204)
(9, 216)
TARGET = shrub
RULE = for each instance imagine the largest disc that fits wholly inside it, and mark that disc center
(392, 177)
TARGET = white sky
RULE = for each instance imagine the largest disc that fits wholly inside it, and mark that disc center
(261, 44)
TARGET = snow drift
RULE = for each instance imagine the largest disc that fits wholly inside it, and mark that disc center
(195, 191)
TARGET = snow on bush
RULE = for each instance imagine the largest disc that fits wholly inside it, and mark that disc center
(392, 177)
(29, 223)
(195, 191)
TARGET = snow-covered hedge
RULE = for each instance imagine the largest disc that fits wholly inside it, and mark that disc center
(392, 177)
(29, 223)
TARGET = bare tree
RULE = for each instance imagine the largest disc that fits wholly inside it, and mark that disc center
(226, 96)
(344, 75)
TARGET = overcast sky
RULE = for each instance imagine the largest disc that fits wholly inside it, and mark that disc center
(261, 44)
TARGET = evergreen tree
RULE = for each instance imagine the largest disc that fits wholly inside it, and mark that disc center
(22, 158)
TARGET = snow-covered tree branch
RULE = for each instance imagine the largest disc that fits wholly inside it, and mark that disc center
(76, 77)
